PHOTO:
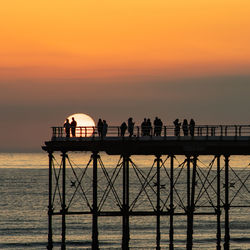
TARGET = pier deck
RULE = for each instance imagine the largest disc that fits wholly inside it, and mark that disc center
(201, 145)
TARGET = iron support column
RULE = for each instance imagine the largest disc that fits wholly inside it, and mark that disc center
(50, 206)
(171, 205)
(188, 195)
(125, 212)
(158, 207)
(218, 236)
(191, 208)
(95, 242)
(63, 245)
(188, 181)
(227, 205)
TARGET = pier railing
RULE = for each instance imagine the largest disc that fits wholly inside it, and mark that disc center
(165, 131)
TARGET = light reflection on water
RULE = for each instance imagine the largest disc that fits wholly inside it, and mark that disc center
(23, 202)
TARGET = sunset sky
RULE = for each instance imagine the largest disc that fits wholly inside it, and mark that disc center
(114, 59)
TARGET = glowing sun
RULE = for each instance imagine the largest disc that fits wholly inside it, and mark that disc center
(84, 125)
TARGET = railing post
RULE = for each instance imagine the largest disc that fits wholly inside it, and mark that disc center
(221, 130)
(53, 132)
(60, 132)
(236, 130)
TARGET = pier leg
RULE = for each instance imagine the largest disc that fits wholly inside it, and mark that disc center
(227, 205)
(191, 208)
(95, 242)
(188, 197)
(158, 207)
(171, 205)
(125, 212)
(218, 210)
(63, 245)
(50, 206)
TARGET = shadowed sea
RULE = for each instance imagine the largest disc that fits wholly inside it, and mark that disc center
(24, 201)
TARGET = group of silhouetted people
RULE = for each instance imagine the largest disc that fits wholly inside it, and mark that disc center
(146, 127)
(157, 126)
(70, 126)
(186, 128)
(129, 127)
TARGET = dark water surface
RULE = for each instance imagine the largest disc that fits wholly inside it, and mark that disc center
(24, 200)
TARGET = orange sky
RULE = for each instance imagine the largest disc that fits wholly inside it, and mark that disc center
(113, 59)
(105, 39)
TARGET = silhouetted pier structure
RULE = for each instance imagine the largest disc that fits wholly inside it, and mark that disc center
(211, 197)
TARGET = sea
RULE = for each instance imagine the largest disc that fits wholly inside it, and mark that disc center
(24, 202)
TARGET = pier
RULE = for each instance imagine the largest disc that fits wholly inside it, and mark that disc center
(208, 190)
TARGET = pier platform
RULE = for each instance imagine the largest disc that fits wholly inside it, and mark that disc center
(208, 140)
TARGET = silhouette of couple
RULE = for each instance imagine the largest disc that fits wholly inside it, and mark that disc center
(70, 126)
(130, 127)
(102, 128)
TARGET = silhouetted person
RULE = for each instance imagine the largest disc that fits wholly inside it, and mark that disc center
(160, 127)
(100, 127)
(191, 127)
(123, 129)
(177, 128)
(149, 127)
(105, 128)
(144, 127)
(67, 128)
(131, 125)
(185, 127)
(73, 127)
(156, 126)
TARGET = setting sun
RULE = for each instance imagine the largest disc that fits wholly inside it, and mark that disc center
(84, 125)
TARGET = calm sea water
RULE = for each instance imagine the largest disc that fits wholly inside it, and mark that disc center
(24, 200)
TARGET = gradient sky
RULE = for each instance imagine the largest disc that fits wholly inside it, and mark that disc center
(114, 59)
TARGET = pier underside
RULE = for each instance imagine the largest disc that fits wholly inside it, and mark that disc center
(166, 190)
(199, 145)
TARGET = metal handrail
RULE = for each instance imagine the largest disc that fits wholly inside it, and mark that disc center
(164, 131)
